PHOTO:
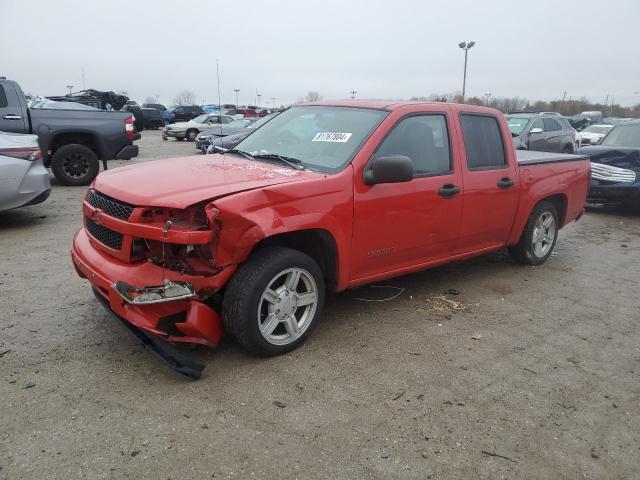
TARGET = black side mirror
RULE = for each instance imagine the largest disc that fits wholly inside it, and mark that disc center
(389, 169)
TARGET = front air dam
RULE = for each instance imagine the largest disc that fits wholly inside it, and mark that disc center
(161, 348)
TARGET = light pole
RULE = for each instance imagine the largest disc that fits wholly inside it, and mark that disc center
(237, 90)
(69, 87)
(273, 102)
(487, 95)
(258, 95)
(465, 46)
(353, 93)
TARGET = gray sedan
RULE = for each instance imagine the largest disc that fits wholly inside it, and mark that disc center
(23, 178)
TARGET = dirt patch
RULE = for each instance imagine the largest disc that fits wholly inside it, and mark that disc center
(393, 389)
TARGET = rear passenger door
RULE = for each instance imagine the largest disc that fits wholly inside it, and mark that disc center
(12, 118)
(491, 183)
(553, 135)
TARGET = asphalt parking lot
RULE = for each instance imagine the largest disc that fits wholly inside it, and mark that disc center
(483, 369)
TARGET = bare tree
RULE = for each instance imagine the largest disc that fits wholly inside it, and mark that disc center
(185, 97)
(312, 96)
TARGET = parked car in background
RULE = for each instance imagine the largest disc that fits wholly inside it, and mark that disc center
(181, 113)
(615, 166)
(72, 142)
(593, 134)
(322, 198)
(221, 130)
(152, 118)
(230, 141)
(24, 180)
(190, 129)
(542, 133)
(617, 120)
(243, 113)
(157, 106)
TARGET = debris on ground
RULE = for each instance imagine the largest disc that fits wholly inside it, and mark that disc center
(477, 336)
(279, 404)
(135, 452)
(494, 454)
(452, 291)
(398, 395)
(2, 354)
(28, 385)
(394, 292)
(440, 303)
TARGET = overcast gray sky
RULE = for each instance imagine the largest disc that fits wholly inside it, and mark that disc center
(284, 48)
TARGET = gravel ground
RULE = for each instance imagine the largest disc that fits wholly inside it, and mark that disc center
(482, 369)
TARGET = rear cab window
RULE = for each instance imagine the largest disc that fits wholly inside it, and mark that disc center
(483, 143)
(3, 98)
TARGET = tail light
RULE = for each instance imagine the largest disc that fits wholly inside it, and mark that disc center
(128, 127)
(30, 154)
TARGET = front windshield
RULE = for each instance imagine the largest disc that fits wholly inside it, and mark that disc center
(238, 123)
(262, 121)
(626, 136)
(201, 118)
(596, 129)
(517, 124)
(322, 138)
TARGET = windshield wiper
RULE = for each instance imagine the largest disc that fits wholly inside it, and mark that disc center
(246, 155)
(291, 161)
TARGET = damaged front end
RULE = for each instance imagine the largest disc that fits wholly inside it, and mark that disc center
(154, 267)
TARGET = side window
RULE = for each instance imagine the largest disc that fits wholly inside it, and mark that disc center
(550, 125)
(3, 98)
(482, 142)
(537, 123)
(422, 138)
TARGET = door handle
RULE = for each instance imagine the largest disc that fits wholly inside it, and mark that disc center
(448, 190)
(12, 116)
(505, 183)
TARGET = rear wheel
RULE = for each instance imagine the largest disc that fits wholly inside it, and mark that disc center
(567, 149)
(75, 165)
(539, 236)
(273, 302)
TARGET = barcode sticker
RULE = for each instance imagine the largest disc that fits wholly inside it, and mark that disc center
(332, 137)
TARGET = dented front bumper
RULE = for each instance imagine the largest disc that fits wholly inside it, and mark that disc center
(182, 320)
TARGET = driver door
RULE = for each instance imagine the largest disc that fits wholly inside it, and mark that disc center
(401, 225)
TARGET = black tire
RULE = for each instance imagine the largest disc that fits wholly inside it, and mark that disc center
(191, 135)
(568, 148)
(243, 298)
(139, 118)
(525, 252)
(75, 165)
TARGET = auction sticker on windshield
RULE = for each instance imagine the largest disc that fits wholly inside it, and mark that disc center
(331, 137)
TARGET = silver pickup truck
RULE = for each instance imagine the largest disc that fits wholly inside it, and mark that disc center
(72, 141)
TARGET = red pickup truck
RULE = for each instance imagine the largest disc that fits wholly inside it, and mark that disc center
(325, 197)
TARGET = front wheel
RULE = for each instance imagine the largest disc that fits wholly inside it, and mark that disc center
(539, 236)
(191, 135)
(273, 302)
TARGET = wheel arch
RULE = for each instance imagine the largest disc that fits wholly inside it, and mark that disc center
(318, 243)
(559, 201)
(87, 139)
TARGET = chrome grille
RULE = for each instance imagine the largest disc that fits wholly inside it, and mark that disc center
(610, 173)
(104, 235)
(109, 206)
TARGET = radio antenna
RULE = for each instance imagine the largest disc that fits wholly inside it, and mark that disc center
(219, 98)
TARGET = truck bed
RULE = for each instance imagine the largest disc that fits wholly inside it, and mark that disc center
(529, 157)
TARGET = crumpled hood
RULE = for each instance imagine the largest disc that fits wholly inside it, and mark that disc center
(628, 158)
(180, 182)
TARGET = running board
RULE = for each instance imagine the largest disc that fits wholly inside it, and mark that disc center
(159, 347)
